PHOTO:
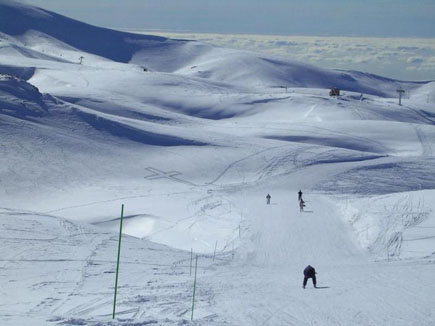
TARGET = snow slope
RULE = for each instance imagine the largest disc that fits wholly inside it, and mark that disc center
(30, 31)
(191, 146)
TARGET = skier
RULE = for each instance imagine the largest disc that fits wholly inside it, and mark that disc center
(300, 195)
(301, 205)
(309, 272)
(268, 199)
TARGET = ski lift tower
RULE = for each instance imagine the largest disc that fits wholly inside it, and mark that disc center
(400, 91)
(285, 87)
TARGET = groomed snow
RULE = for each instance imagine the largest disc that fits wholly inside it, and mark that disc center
(191, 138)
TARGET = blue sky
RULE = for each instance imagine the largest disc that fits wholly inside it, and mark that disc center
(379, 18)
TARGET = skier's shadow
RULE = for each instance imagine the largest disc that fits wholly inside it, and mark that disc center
(308, 212)
(322, 287)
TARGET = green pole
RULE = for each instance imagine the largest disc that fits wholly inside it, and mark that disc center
(191, 258)
(194, 288)
(117, 264)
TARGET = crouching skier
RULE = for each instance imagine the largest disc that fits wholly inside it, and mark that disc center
(309, 272)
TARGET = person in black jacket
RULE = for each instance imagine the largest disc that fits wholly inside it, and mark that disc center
(300, 195)
(268, 198)
(309, 272)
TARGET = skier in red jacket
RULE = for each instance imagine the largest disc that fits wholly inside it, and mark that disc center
(301, 205)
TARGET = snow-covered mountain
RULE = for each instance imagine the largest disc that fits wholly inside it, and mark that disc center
(191, 138)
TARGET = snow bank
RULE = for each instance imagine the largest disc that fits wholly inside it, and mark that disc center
(20, 99)
(397, 226)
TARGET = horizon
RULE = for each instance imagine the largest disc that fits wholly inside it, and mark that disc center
(266, 34)
(381, 18)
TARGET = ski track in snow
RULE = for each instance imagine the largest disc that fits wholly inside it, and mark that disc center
(425, 144)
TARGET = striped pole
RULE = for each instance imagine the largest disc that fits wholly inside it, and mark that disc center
(117, 264)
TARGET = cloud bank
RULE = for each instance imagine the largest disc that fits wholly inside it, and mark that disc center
(399, 58)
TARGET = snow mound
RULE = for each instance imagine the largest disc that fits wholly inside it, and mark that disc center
(426, 93)
(134, 133)
(359, 145)
(19, 98)
(254, 70)
(18, 71)
(18, 19)
(394, 226)
(384, 178)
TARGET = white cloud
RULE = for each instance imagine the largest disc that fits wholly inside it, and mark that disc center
(415, 60)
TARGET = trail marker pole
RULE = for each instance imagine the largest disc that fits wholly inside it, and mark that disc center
(117, 264)
(400, 91)
(215, 246)
(191, 258)
(194, 288)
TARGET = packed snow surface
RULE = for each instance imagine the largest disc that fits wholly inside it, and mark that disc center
(191, 138)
